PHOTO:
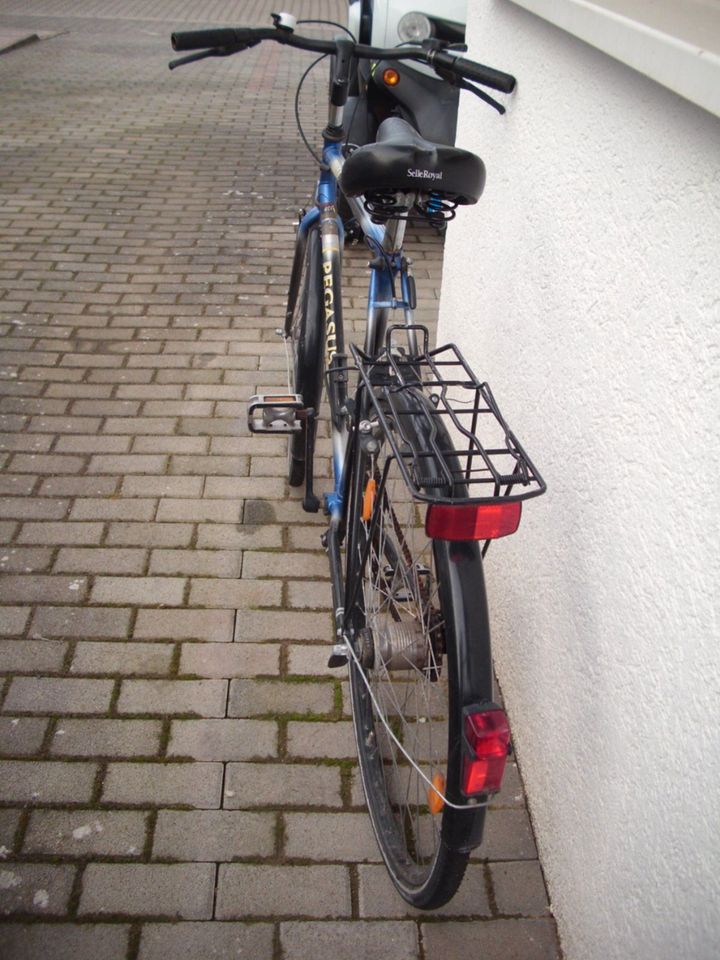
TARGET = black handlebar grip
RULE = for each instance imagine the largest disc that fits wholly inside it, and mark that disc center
(205, 39)
(487, 76)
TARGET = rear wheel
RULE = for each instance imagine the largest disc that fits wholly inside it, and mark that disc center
(406, 691)
(306, 344)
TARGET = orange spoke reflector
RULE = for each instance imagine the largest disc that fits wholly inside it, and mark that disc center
(436, 802)
(391, 77)
(369, 499)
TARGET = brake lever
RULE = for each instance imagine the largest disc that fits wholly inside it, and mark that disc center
(215, 52)
(463, 84)
(190, 58)
(466, 85)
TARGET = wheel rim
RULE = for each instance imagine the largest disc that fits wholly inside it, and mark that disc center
(404, 685)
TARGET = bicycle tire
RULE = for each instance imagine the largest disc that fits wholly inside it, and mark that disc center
(451, 609)
(306, 335)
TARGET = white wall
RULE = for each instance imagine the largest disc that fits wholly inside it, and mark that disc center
(585, 287)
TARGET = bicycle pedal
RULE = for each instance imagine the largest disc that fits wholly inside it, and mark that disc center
(338, 657)
(275, 413)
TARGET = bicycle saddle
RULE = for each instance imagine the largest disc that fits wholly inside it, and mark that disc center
(400, 159)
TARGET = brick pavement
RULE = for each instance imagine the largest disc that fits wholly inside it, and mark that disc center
(176, 772)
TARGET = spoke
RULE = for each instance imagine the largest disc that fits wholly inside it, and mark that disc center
(400, 593)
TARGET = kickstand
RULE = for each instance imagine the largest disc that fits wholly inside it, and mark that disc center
(311, 504)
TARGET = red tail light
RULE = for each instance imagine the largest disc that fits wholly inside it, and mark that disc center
(467, 521)
(487, 735)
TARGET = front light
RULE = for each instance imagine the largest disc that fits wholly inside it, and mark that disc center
(414, 27)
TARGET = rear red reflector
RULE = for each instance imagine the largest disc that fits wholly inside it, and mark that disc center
(487, 736)
(468, 521)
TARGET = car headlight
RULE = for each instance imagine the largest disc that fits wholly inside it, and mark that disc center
(414, 27)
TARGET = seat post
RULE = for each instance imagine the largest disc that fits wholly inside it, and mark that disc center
(394, 235)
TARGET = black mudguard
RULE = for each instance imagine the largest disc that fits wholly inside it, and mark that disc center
(469, 660)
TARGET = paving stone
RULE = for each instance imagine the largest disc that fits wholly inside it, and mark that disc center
(236, 536)
(79, 487)
(210, 465)
(277, 467)
(347, 837)
(9, 822)
(348, 940)
(257, 697)
(37, 781)
(249, 890)
(234, 487)
(150, 534)
(83, 833)
(21, 736)
(26, 508)
(93, 444)
(162, 486)
(86, 623)
(507, 836)
(281, 785)
(229, 660)
(207, 941)
(304, 538)
(143, 425)
(519, 888)
(98, 508)
(311, 660)
(207, 563)
(205, 698)
(62, 941)
(262, 563)
(106, 738)
(213, 835)
(309, 595)
(60, 533)
(46, 463)
(493, 940)
(35, 888)
(318, 739)
(184, 891)
(58, 695)
(214, 625)
(174, 445)
(13, 620)
(138, 590)
(283, 625)
(200, 511)
(223, 739)
(25, 559)
(100, 560)
(17, 486)
(125, 658)
(234, 593)
(379, 898)
(127, 463)
(168, 784)
(31, 656)
(39, 589)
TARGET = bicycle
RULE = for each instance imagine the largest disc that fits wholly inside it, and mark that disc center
(426, 474)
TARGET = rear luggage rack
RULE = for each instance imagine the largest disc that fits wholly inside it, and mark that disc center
(412, 394)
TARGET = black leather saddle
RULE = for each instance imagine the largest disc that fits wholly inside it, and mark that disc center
(400, 159)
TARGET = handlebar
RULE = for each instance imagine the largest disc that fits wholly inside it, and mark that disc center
(228, 40)
(222, 37)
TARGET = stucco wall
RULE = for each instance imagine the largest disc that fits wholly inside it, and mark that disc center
(585, 287)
